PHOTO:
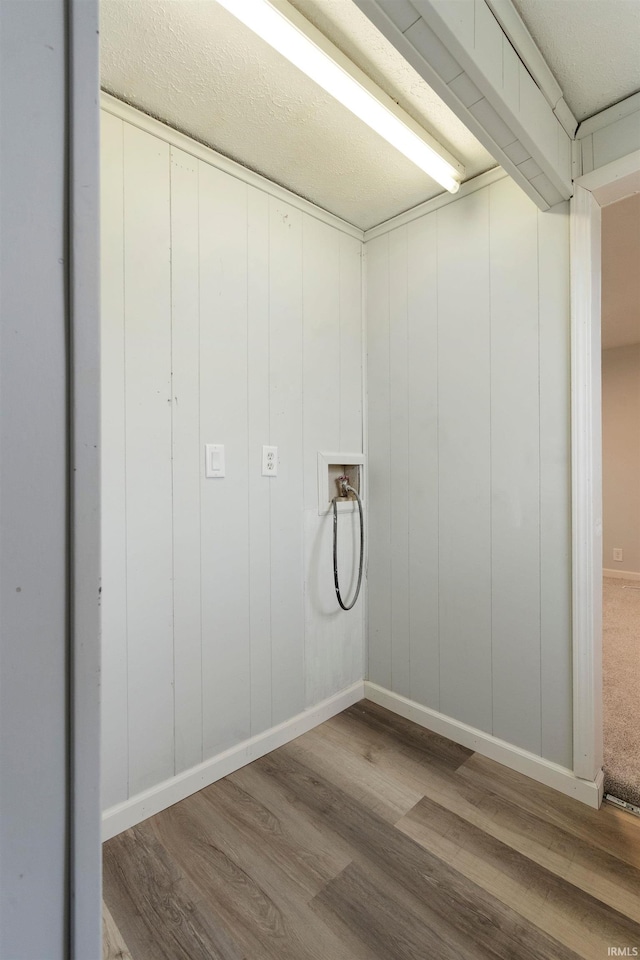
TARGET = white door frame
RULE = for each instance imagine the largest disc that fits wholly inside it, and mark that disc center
(605, 185)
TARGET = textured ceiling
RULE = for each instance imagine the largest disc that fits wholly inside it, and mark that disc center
(621, 273)
(193, 65)
(591, 46)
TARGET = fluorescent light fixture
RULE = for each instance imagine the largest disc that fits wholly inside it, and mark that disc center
(280, 32)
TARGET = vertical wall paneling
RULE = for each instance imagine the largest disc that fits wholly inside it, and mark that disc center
(229, 316)
(555, 486)
(332, 362)
(350, 639)
(484, 394)
(322, 383)
(464, 460)
(321, 348)
(379, 467)
(422, 318)
(114, 760)
(186, 459)
(148, 458)
(351, 435)
(223, 419)
(399, 462)
(286, 428)
(259, 434)
(515, 468)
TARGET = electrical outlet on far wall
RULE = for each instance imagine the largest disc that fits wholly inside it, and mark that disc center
(269, 461)
(617, 554)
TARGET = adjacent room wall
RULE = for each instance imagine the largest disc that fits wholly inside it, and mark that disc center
(229, 316)
(621, 457)
(469, 466)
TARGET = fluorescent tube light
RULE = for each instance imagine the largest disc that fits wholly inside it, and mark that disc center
(283, 35)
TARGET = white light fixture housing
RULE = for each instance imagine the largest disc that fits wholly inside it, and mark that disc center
(284, 29)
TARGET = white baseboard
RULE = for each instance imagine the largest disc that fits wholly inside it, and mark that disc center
(152, 801)
(544, 771)
(621, 574)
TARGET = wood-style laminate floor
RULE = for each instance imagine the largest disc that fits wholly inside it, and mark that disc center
(371, 839)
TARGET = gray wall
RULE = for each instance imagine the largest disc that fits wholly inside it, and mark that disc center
(469, 466)
(33, 482)
(50, 881)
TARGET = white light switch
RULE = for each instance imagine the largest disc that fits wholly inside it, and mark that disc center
(269, 461)
(214, 460)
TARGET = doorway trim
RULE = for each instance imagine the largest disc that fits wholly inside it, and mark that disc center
(598, 188)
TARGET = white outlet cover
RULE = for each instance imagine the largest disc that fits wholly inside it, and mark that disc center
(269, 461)
(214, 465)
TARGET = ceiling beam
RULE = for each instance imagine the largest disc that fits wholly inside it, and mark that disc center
(464, 54)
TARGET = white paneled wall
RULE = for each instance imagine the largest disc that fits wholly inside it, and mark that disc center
(229, 316)
(469, 466)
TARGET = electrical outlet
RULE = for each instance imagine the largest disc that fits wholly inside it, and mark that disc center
(269, 461)
(617, 554)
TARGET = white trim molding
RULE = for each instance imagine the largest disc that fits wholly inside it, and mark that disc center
(586, 446)
(614, 180)
(414, 213)
(624, 108)
(530, 765)
(200, 151)
(621, 574)
(163, 795)
(604, 185)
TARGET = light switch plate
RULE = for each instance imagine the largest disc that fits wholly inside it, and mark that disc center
(214, 460)
(269, 461)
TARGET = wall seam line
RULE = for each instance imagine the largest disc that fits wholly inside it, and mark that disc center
(302, 451)
(489, 232)
(364, 439)
(340, 412)
(173, 504)
(126, 520)
(248, 422)
(390, 407)
(437, 325)
(406, 359)
(200, 472)
(269, 204)
(539, 485)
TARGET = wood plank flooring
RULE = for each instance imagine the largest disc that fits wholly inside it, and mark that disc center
(370, 838)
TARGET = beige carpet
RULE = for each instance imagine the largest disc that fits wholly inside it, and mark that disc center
(621, 682)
